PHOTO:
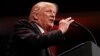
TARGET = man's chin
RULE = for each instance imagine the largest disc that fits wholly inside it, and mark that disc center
(50, 27)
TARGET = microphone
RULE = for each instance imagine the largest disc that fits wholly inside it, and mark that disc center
(56, 22)
(76, 24)
(85, 28)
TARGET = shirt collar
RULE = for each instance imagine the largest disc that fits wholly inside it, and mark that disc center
(41, 29)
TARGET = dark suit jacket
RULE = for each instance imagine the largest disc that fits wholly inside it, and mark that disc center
(27, 40)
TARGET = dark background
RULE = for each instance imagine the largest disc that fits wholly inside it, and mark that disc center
(22, 7)
(86, 12)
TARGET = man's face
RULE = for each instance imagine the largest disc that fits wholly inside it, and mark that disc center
(46, 16)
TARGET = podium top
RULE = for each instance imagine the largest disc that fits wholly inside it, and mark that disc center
(87, 44)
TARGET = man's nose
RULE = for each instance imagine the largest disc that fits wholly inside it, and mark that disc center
(52, 15)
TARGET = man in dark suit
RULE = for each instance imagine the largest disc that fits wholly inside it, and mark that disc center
(32, 37)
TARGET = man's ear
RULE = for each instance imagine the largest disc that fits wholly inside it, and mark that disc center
(35, 13)
(35, 16)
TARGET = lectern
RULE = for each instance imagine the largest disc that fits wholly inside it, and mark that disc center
(84, 49)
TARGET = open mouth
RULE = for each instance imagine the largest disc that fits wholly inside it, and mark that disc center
(51, 20)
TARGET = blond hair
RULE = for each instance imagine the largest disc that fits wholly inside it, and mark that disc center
(40, 5)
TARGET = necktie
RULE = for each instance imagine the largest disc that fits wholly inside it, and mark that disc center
(53, 50)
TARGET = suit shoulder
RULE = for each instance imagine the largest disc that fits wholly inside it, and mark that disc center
(22, 23)
(25, 23)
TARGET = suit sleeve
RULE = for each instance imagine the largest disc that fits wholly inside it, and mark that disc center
(31, 38)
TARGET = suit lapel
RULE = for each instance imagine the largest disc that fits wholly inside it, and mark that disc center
(36, 28)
